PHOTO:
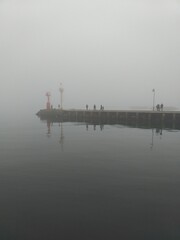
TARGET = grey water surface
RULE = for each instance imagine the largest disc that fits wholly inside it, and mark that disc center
(79, 181)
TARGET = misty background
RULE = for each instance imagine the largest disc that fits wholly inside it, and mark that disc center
(109, 52)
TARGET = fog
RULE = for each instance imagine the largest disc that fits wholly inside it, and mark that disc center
(109, 52)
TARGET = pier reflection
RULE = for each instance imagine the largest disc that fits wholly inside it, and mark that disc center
(156, 131)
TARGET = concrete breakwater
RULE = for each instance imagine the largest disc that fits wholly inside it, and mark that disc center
(111, 116)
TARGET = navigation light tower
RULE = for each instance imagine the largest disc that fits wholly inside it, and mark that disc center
(48, 104)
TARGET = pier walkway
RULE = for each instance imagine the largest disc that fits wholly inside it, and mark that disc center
(110, 116)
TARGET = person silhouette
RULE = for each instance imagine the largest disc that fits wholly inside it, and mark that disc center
(162, 107)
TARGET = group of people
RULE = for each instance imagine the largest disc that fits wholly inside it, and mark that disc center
(159, 107)
(94, 107)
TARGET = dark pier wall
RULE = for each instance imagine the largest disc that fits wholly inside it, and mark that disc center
(110, 116)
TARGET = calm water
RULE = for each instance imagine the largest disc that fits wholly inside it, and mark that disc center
(78, 181)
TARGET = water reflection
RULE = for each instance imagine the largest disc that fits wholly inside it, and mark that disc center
(152, 140)
(61, 140)
(101, 126)
(158, 132)
(48, 128)
(48, 133)
(155, 131)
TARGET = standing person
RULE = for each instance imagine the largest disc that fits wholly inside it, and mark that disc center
(162, 107)
(158, 107)
(94, 107)
(86, 107)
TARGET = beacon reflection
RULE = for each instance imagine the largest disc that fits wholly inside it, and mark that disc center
(48, 129)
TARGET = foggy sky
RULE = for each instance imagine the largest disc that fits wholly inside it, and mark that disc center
(109, 52)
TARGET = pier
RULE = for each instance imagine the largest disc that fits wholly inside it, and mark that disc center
(111, 116)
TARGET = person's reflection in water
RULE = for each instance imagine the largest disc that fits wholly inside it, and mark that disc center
(87, 127)
(159, 131)
(94, 127)
(101, 127)
(48, 128)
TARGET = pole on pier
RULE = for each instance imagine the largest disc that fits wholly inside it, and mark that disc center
(61, 89)
(153, 98)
